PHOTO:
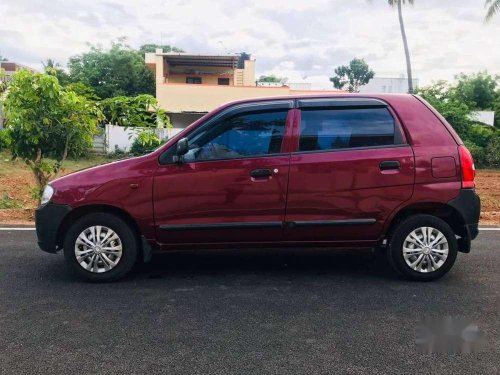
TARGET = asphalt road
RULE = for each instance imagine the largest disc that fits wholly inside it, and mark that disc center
(249, 312)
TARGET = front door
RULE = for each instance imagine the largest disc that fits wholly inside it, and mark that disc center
(350, 170)
(231, 185)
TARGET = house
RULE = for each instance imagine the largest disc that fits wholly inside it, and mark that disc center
(388, 85)
(190, 85)
(10, 67)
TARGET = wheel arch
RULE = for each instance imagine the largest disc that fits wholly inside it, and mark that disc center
(81, 211)
(441, 210)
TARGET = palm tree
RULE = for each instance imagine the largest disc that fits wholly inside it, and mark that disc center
(493, 8)
(399, 4)
(50, 63)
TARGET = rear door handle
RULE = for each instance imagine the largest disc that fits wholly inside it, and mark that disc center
(389, 164)
(261, 173)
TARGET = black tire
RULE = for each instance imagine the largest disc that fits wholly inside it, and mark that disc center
(127, 236)
(403, 229)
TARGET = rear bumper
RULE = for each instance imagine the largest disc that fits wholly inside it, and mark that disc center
(48, 219)
(468, 205)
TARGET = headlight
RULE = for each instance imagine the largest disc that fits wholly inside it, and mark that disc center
(48, 192)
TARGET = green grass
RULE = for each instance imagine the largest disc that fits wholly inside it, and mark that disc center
(7, 166)
(7, 202)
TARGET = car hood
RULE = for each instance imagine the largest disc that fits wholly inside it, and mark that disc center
(78, 186)
(106, 171)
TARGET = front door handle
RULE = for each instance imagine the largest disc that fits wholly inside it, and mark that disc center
(389, 164)
(261, 173)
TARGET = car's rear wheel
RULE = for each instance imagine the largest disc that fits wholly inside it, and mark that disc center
(422, 247)
(101, 247)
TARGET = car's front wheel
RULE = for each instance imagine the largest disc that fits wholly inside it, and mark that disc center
(422, 247)
(100, 247)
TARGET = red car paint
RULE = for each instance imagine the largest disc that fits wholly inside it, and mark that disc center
(313, 187)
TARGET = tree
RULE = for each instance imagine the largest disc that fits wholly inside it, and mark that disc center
(47, 121)
(117, 71)
(354, 75)
(399, 4)
(270, 78)
(3, 84)
(478, 90)
(151, 47)
(3, 58)
(493, 8)
(50, 63)
(50, 66)
(83, 90)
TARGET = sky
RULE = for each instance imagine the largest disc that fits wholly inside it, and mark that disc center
(303, 40)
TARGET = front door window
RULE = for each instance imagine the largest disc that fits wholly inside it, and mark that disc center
(240, 136)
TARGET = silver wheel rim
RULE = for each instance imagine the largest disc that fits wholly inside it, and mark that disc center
(425, 249)
(98, 249)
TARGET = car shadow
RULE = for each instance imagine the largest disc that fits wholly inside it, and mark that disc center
(267, 262)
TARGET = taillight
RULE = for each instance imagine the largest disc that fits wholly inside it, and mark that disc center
(468, 169)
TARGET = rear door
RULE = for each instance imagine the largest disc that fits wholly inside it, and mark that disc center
(351, 168)
(232, 184)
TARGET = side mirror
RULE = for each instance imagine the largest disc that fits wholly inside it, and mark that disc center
(182, 149)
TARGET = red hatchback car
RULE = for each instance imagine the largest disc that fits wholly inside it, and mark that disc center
(343, 171)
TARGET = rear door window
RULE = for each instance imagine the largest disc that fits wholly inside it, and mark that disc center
(344, 128)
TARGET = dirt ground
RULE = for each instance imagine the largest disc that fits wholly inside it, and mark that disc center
(16, 194)
(488, 188)
(17, 204)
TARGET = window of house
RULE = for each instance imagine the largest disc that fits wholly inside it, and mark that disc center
(243, 135)
(193, 80)
(330, 129)
(223, 81)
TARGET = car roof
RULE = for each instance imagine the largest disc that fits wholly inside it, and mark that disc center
(386, 97)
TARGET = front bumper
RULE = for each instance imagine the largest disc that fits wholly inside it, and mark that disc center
(468, 205)
(48, 219)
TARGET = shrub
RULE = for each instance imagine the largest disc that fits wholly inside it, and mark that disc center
(145, 142)
(493, 152)
(478, 153)
(480, 135)
(118, 153)
(137, 111)
(5, 139)
(483, 142)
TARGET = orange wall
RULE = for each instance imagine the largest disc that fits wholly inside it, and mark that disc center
(204, 98)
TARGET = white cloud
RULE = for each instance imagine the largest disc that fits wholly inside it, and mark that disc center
(292, 38)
